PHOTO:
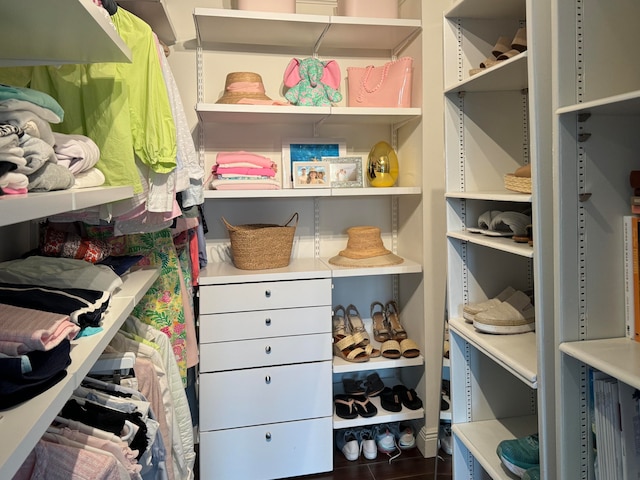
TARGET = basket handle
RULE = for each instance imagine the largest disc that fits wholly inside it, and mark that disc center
(228, 225)
(295, 215)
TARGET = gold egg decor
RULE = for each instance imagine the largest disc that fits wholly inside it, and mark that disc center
(382, 167)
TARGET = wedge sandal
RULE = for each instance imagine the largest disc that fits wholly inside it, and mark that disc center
(393, 317)
(346, 349)
(380, 331)
(356, 325)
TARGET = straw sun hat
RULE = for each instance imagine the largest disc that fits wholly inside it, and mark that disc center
(245, 86)
(365, 249)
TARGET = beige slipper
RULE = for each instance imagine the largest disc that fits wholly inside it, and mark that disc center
(515, 315)
(391, 349)
(409, 348)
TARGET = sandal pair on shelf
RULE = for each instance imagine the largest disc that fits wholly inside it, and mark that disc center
(351, 341)
(388, 330)
(495, 223)
(503, 50)
(356, 397)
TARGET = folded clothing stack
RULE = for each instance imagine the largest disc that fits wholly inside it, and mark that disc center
(244, 171)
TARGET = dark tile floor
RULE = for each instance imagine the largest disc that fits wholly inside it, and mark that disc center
(409, 466)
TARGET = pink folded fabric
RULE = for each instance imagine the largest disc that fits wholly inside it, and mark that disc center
(24, 330)
(241, 156)
(265, 172)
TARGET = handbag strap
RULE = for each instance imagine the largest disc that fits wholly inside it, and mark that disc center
(365, 78)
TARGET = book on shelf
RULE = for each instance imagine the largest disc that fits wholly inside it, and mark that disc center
(631, 235)
(608, 430)
(630, 422)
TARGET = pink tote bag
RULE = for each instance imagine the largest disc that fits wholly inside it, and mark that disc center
(385, 86)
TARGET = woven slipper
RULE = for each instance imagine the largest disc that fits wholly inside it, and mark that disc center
(484, 221)
(380, 331)
(513, 223)
(502, 46)
(364, 407)
(345, 407)
(510, 54)
(519, 41)
(391, 349)
(409, 348)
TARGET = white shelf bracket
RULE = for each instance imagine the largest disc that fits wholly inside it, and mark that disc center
(316, 227)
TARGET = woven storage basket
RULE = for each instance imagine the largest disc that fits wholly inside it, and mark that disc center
(517, 184)
(259, 246)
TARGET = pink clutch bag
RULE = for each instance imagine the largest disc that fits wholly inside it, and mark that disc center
(385, 86)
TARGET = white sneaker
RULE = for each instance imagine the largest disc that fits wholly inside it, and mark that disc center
(445, 438)
(386, 442)
(470, 311)
(368, 444)
(347, 443)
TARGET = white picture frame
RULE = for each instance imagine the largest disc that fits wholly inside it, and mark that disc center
(311, 175)
(345, 172)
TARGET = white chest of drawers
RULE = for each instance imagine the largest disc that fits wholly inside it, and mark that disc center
(265, 364)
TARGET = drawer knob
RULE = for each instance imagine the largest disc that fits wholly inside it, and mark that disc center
(267, 349)
(267, 322)
(267, 379)
(267, 293)
(268, 436)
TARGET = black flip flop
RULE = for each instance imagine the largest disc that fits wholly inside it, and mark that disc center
(408, 397)
(374, 385)
(364, 407)
(345, 407)
(353, 387)
(390, 400)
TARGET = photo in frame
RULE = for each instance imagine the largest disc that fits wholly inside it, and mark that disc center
(345, 172)
(311, 175)
(307, 150)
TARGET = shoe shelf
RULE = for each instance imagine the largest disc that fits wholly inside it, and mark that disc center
(379, 363)
(481, 439)
(627, 103)
(504, 244)
(383, 416)
(515, 353)
(509, 74)
(618, 357)
(494, 195)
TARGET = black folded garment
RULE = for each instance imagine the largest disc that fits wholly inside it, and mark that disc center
(47, 369)
(84, 307)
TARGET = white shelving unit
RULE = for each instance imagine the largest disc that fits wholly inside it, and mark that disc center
(502, 386)
(51, 43)
(596, 110)
(69, 31)
(264, 42)
(155, 13)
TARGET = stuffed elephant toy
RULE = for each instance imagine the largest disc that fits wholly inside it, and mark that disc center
(312, 82)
